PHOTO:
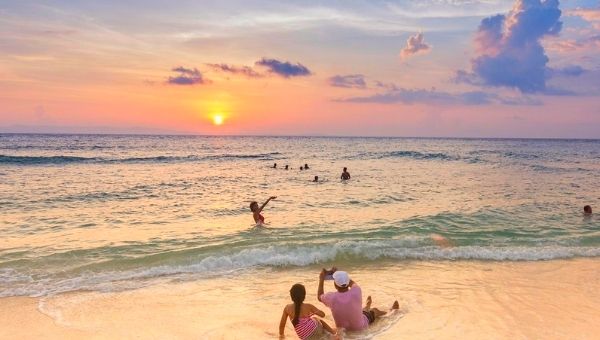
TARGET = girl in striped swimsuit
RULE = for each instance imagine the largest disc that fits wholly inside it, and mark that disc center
(301, 316)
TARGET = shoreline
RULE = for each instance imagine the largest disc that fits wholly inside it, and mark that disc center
(553, 299)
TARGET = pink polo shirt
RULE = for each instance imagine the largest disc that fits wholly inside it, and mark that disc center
(347, 308)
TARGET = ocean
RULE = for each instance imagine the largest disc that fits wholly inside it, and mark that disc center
(108, 214)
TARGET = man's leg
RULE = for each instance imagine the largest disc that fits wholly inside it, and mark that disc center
(379, 313)
(368, 305)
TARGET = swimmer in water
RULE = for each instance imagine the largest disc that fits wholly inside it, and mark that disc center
(587, 210)
(316, 179)
(345, 175)
(306, 166)
(286, 166)
(301, 168)
(256, 210)
(441, 241)
(275, 166)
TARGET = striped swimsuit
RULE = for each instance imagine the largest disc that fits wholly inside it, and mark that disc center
(305, 327)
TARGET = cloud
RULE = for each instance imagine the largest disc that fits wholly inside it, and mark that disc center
(433, 96)
(356, 81)
(591, 15)
(187, 76)
(568, 71)
(509, 50)
(284, 68)
(415, 45)
(590, 42)
(243, 70)
(386, 86)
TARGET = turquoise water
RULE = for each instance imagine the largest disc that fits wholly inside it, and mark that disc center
(119, 212)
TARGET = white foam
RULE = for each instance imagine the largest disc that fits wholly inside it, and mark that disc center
(290, 255)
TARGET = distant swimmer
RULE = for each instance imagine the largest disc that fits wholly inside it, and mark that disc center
(286, 167)
(275, 166)
(316, 179)
(301, 168)
(587, 210)
(345, 174)
(301, 316)
(256, 210)
(441, 241)
(306, 166)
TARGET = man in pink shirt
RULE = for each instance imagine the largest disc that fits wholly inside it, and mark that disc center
(346, 303)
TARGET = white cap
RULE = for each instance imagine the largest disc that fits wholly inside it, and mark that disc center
(341, 278)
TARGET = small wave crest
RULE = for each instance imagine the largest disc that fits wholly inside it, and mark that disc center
(52, 160)
(280, 256)
(410, 154)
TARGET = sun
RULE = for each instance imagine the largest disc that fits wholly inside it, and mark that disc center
(218, 119)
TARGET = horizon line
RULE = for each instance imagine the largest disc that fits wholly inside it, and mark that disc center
(282, 136)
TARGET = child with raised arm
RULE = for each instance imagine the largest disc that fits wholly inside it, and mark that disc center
(301, 316)
(256, 210)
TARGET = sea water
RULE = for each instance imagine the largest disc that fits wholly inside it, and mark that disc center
(113, 213)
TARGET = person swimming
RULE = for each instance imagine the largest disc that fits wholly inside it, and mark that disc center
(306, 166)
(286, 167)
(301, 316)
(301, 168)
(587, 210)
(256, 210)
(345, 174)
(275, 166)
(316, 179)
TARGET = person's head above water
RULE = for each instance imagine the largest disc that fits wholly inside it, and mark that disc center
(305, 166)
(341, 281)
(587, 209)
(297, 293)
(316, 179)
(301, 168)
(274, 165)
(286, 166)
(253, 206)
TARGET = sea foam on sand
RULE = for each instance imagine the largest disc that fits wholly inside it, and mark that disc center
(558, 299)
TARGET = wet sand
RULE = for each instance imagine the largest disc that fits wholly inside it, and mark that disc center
(439, 300)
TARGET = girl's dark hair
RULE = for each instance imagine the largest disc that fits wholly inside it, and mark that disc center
(297, 293)
(252, 204)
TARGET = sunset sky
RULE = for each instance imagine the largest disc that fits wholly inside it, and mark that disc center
(463, 68)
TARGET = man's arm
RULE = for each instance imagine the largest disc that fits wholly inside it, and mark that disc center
(321, 281)
(265, 204)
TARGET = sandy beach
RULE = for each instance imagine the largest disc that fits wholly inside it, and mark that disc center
(450, 300)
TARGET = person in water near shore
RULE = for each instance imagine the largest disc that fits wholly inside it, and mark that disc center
(316, 179)
(256, 210)
(345, 303)
(301, 168)
(301, 316)
(587, 210)
(275, 166)
(286, 167)
(306, 166)
(345, 174)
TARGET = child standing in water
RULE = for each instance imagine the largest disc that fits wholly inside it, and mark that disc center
(256, 210)
(300, 314)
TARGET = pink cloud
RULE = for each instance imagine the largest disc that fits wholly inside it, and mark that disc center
(564, 46)
(591, 15)
(415, 45)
